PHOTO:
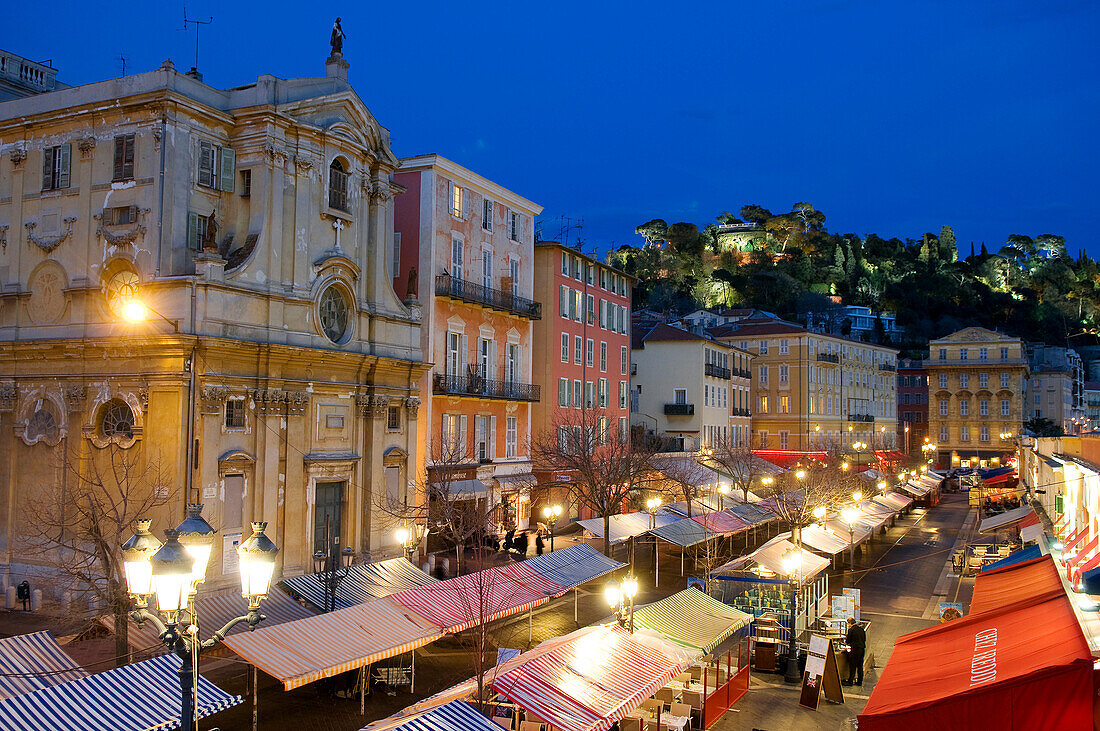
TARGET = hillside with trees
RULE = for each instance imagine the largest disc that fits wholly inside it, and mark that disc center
(789, 263)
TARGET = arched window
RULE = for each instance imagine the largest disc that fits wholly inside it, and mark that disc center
(117, 419)
(337, 186)
(334, 313)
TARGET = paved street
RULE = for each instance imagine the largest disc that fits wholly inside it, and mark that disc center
(898, 574)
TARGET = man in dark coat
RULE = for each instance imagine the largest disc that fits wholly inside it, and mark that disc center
(856, 639)
(520, 544)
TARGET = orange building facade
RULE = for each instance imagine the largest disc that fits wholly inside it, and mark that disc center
(466, 252)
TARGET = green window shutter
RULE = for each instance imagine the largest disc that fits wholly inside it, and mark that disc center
(193, 238)
(47, 168)
(206, 164)
(120, 157)
(1059, 503)
(63, 166)
(228, 169)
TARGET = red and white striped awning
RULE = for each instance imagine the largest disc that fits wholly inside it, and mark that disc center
(591, 682)
(466, 601)
(318, 647)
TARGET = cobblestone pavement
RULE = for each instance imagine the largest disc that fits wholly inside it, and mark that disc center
(898, 574)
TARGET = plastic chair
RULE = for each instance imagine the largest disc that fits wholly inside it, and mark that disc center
(664, 695)
(696, 672)
(693, 698)
(680, 709)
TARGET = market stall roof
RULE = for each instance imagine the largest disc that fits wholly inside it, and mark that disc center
(1028, 554)
(300, 652)
(627, 525)
(572, 566)
(770, 557)
(454, 716)
(752, 513)
(839, 526)
(723, 522)
(997, 475)
(987, 670)
(693, 619)
(467, 601)
(894, 500)
(33, 661)
(591, 682)
(823, 540)
(1025, 580)
(685, 532)
(683, 467)
(137, 697)
(362, 582)
(1005, 519)
(914, 490)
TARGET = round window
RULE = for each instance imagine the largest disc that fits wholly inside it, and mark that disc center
(334, 314)
(121, 289)
(118, 420)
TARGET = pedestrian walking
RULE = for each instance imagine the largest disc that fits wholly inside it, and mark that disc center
(539, 544)
(509, 540)
(856, 639)
(520, 544)
(23, 592)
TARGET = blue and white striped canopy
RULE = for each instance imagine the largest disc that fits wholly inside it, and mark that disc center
(34, 661)
(362, 583)
(139, 697)
(455, 716)
(573, 566)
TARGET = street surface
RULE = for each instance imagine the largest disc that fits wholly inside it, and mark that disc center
(898, 574)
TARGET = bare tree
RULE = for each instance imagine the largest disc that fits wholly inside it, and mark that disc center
(797, 492)
(682, 477)
(81, 522)
(744, 468)
(606, 466)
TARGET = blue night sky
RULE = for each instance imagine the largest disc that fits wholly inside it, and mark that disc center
(889, 118)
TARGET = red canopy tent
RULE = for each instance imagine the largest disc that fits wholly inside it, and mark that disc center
(1021, 662)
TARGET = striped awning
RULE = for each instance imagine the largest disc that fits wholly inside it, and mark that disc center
(894, 499)
(770, 557)
(693, 619)
(573, 566)
(752, 513)
(362, 582)
(684, 533)
(626, 526)
(34, 661)
(723, 522)
(454, 716)
(467, 601)
(591, 682)
(138, 697)
(318, 647)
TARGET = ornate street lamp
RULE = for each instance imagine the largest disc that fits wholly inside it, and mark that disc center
(850, 514)
(620, 597)
(792, 564)
(169, 572)
(409, 538)
(551, 513)
(331, 568)
(819, 514)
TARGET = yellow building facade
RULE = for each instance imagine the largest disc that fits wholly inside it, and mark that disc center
(976, 386)
(812, 391)
(276, 374)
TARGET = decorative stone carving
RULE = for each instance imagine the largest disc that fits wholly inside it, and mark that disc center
(124, 235)
(274, 400)
(74, 398)
(8, 394)
(143, 399)
(275, 155)
(49, 243)
(156, 138)
(303, 163)
(47, 285)
(371, 405)
(412, 403)
(41, 418)
(4, 238)
(87, 147)
(380, 192)
(212, 398)
(17, 157)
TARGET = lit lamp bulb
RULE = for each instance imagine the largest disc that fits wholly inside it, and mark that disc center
(136, 553)
(800, 474)
(724, 489)
(882, 484)
(402, 535)
(849, 515)
(197, 537)
(630, 588)
(611, 593)
(819, 512)
(857, 496)
(256, 557)
(133, 310)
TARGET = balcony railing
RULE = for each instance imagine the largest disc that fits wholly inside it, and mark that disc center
(887, 367)
(481, 387)
(742, 373)
(740, 412)
(679, 409)
(987, 363)
(710, 369)
(828, 358)
(479, 294)
(861, 417)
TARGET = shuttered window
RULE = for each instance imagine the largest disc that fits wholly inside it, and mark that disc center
(124, 158)
(55, 167)
(216, 166)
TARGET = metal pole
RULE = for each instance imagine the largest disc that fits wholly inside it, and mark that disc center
(792, 675)
(656, 567)
(851, 547)
(255, 699)
(576, 602)
(412, 679)
(363, 690)
(529, 627)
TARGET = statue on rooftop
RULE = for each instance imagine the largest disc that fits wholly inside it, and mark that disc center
(337, 38)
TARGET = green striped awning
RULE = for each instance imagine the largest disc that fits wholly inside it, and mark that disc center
(693, 619)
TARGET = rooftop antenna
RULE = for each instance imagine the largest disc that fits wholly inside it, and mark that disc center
(196, 23)
(123, 59)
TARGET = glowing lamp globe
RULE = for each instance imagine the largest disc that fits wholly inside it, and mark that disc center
(197, 537)
(136, 553)
(257, 561)
(171, 568)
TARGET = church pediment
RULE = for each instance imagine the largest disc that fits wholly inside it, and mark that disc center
(973, 335)
(345, 116)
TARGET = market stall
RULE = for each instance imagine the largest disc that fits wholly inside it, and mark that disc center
(34, 661)
(362, 582)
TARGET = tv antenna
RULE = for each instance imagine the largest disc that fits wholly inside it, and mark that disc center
(123, 59)
(195, 23)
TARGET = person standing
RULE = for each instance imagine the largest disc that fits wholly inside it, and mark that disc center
(520, 544)
(540, 545)
(856, 639)
(23, 593)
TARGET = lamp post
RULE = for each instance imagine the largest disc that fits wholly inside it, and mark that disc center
(850, 514)
(651, 506)
(331, 566)
(620, 597)
(552, 513)
(819, 514)
(792, 564)
(409, 538)
(172, 571)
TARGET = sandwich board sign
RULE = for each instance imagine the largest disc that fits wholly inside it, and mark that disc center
(822, 674)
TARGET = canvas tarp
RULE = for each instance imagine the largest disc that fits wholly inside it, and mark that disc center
(362, 582)
(1005, 519)
(33, 661)
(467, 601)
(627, 525)
(693, 619)
(770, 557)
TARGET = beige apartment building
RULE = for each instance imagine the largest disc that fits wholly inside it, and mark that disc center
(689, 387)
(813, 391)
(276, 376)
(977, 379)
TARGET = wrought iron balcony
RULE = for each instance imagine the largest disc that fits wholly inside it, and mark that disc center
(861, 417)
(887, 367)
(742, 373)
(478, 386)
(710, 369)
(679, 409)
(828, 358)
(478, 294)
(740, 412)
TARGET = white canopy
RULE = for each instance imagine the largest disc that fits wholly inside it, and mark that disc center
(838, 526)
(823, 540)
(1006, 518)
(770, 556)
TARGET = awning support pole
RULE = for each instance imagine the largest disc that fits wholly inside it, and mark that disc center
(681, 562)
(576, 602)
(412, 676)
(255, 700)
(362, 690)
(529, 627)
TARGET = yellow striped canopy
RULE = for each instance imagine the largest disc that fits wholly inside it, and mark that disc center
(692, 619)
